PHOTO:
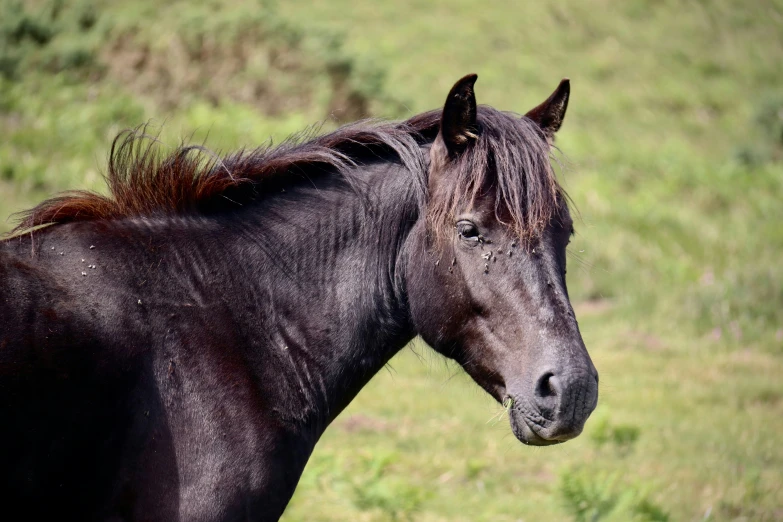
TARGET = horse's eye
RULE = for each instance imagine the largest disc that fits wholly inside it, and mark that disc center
(468, 231)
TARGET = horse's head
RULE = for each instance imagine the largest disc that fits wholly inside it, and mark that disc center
(492, 291)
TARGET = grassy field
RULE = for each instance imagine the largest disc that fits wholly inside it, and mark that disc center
(673, 154)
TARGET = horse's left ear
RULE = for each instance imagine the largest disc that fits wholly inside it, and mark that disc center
(549, 115)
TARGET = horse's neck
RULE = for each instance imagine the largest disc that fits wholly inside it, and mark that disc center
(328, 265)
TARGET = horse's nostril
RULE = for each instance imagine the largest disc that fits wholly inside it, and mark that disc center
(548, 386)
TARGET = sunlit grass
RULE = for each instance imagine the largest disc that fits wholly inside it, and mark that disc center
(704, 425)
(672, 151)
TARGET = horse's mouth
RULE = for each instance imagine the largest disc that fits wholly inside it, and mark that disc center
(519, 423)
(525, 434)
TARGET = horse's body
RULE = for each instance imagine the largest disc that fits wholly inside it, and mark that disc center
(182, 365)
(193, 337)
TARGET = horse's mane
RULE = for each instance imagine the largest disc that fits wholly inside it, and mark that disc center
(192, 180)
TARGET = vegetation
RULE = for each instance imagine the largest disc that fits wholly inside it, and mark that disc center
(673, 154)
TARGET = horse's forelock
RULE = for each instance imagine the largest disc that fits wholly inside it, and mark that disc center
(511, 156)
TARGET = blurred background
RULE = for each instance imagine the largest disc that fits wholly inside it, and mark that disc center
(672, 152)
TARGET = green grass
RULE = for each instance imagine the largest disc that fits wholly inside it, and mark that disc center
(704, 438)
(673, 154)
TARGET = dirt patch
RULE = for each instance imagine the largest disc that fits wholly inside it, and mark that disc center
(245, 70)
(362, 423)
(260, 60)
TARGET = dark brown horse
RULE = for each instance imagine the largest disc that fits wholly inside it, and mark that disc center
(174, 351)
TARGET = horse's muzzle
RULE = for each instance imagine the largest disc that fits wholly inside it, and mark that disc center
(557, 407)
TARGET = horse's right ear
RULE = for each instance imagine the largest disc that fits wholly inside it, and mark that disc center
(550, 114)
(458, 123)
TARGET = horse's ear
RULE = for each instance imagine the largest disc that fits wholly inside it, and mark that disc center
(549, 115)
(458, 123)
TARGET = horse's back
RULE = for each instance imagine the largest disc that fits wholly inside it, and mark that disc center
(123, 399)
(66, 396)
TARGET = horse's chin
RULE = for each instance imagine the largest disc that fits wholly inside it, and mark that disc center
(525, 434)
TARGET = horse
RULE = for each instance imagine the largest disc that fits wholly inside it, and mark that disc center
(173, 351)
